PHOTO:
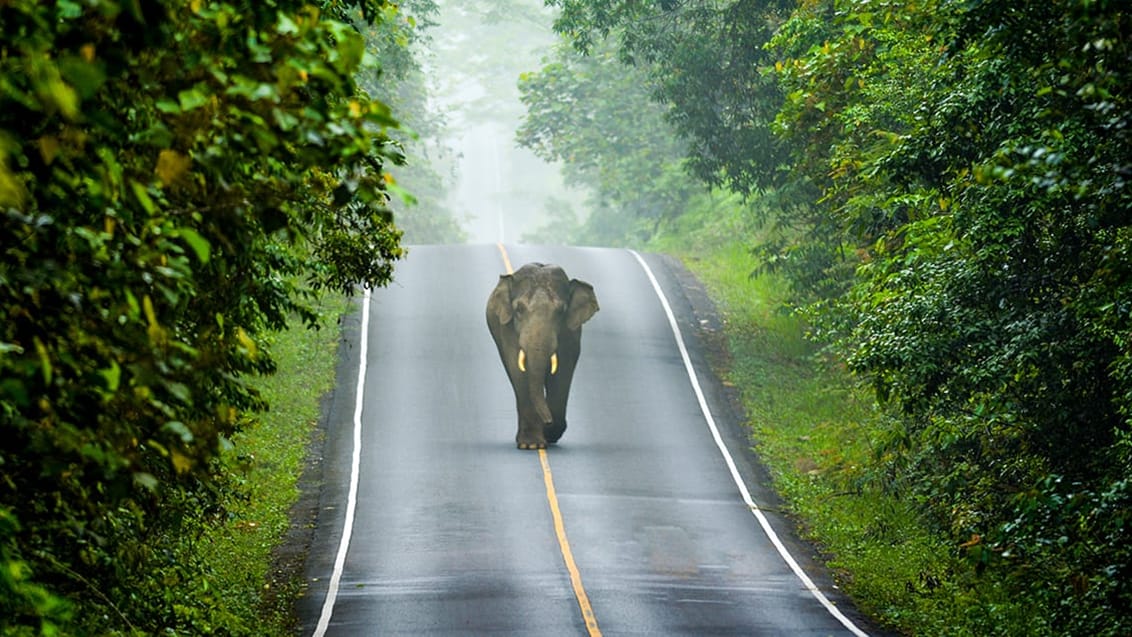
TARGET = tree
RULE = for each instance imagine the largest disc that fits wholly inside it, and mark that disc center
(707, 63)
(595, 116)
(175, 178)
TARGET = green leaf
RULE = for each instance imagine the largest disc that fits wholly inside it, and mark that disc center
(284, 119)
(192, 98)
(9, 348)
(286, 26)
(44, 360)
(166, 105)
(181, 392)
(199, 244)
(112, 375)
(141, 193)
(146, 480)
(252, 89)
(68, 10)
(58, 94)
(179, 429)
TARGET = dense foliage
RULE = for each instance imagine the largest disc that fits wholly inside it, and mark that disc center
(977, 155)
(175, 177)
(954, 180)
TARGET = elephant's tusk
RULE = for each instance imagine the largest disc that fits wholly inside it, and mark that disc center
(522, 361)
(554, 364)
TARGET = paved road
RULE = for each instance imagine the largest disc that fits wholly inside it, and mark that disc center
(453, 531)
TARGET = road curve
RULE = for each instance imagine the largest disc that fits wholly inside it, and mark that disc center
(450, 528)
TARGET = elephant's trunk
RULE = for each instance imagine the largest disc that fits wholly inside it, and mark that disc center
(536, 367)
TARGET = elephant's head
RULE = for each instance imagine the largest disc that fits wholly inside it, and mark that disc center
(540, 311)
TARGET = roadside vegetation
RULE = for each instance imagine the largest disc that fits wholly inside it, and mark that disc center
(183, 187)
(259, 585)
(915, 218)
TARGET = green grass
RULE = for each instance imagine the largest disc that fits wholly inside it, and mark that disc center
(814, 428)
(270, 456)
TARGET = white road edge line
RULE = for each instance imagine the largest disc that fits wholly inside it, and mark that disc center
(738, 479)
(355, 469)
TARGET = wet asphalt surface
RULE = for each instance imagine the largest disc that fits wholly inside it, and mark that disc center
(453, 534)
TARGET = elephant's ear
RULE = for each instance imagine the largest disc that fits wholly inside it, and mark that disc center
(499, 303)
(583, 304)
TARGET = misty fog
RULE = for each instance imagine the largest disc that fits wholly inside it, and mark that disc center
(496, 190)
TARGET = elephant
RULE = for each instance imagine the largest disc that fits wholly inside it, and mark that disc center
(535, 316)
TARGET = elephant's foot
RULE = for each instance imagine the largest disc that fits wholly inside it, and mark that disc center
(530, 440)
(554, 431)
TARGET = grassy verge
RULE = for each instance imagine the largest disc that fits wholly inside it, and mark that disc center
(814, 428)
(270, 456)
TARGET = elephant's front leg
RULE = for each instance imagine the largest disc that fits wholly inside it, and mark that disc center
(531, 434)
(557, 393)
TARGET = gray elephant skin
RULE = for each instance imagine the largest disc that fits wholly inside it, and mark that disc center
(535, 316)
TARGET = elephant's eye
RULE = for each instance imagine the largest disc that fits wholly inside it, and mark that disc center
(520, 308)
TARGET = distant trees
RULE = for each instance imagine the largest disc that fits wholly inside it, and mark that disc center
(176, 179)
(597, 118)
(706, 62)
(400, 42)
(956, 175)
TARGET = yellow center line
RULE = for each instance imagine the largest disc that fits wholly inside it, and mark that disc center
(559, 525)
(567, 554)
